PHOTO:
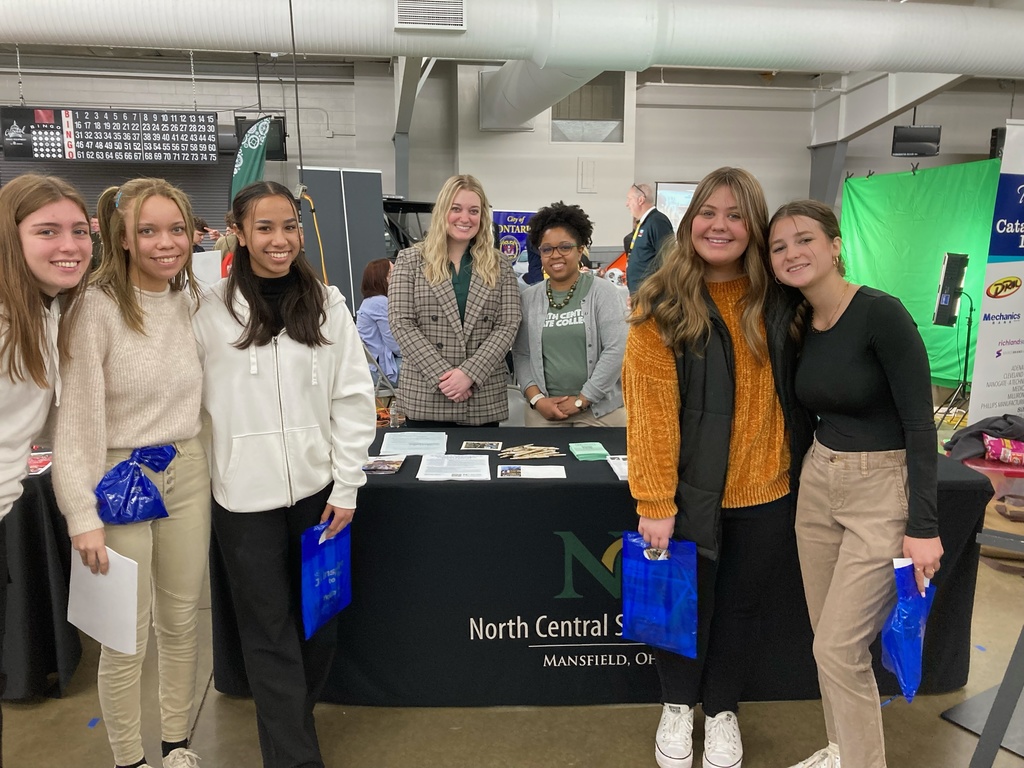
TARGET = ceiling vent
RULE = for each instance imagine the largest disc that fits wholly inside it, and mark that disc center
(431, 14)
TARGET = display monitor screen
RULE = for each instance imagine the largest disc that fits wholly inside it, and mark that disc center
(673, 198)
(915, 140)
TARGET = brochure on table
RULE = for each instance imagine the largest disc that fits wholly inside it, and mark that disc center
(408, 443)
(454, 467)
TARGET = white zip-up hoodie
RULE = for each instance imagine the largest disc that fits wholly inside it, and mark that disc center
(287, 418)
(23, 410)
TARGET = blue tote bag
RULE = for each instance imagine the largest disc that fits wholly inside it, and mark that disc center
(326, 576)
(659, 594)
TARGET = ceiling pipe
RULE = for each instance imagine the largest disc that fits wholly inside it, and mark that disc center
(803, 35)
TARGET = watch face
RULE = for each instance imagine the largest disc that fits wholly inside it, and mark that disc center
(578, 403)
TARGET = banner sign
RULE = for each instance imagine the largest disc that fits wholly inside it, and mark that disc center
(110, 135)
(251, 158)
(998, 386)
(512, 228)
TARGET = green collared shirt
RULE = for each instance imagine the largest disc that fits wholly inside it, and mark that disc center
(460, 282)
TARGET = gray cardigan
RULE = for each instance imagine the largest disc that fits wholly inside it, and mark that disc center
(604, 312)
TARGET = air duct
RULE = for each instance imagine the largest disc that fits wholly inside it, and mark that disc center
(800, 35)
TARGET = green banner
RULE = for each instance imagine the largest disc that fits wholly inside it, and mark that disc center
(251, 157)
(898, 227)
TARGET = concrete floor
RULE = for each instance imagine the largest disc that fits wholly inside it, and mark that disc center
(57, 732)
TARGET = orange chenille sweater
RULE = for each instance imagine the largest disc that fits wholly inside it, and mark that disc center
(758, 469)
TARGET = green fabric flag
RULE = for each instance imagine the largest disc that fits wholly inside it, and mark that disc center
(251, 157)
(897, 228)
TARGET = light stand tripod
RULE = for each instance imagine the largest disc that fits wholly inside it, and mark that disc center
(961, 396)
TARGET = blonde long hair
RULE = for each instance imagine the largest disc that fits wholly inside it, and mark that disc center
(674, 294)
(23, 344)
(113, 276)
(434, 247)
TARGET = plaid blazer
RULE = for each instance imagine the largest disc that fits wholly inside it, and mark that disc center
(425, 322)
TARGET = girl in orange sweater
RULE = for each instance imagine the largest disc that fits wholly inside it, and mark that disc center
(713, 430)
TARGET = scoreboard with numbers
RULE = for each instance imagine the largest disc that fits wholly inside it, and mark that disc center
(111, 135)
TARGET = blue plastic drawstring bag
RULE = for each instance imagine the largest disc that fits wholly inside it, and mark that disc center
(126, 495)
(659, 594)
(903, 631)
(326, 576)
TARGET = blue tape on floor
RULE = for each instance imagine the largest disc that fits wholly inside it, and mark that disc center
(981, 647)
(94, 722)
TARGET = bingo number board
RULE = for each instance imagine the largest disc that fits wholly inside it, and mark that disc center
(118, 136)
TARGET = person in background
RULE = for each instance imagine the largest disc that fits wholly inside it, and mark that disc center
(652, 228)
(568, 352)
(454, 310)
(372, 319)
(714, 437)
(271, 332)
(134, 380)
(97, 243)
(45, 251)
(202, 231)
(535, 273)
(868, 489)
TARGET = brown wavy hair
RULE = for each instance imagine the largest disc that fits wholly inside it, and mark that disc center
(113, 276)
(675, 294)
(23, 343)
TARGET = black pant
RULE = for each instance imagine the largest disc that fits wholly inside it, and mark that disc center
(262, 556)
(729, 596)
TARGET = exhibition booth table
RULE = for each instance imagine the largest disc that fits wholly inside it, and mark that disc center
(41, 649)
(506, 592)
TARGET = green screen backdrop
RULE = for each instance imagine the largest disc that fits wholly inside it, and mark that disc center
(898, 227)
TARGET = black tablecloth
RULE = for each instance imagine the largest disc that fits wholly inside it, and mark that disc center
(507, 592)
(40, 646)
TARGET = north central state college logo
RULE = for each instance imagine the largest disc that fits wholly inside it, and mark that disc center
(1003, 287)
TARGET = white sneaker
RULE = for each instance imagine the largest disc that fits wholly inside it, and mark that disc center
(723, 747)
(823, 758)
(673, 746)
(181, 758)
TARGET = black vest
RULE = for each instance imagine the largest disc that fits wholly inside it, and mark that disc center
(706, 389)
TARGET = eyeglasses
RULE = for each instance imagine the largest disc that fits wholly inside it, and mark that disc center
(642, 193)
(565, 249)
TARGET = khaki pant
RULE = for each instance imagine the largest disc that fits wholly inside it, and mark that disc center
(616, 418)
(172, 553)
(850, 520)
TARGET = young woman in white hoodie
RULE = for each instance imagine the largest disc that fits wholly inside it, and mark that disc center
(134, 381)
(45, 250)
(291, 403)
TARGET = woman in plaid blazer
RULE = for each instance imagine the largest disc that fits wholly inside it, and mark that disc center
(454, 309)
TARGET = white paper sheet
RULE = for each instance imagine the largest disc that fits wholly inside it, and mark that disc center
(472, 466)
(529, 471)
(409, 443)
(105, 606)
(620, 466)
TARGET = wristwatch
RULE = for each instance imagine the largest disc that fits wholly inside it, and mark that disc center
(579, 404)
(536, 399)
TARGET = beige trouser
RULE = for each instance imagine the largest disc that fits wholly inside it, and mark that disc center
(172, 553)
(616, 418)
(850, 520)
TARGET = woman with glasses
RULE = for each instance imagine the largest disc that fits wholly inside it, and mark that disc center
(453, 305)
(568, 354)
